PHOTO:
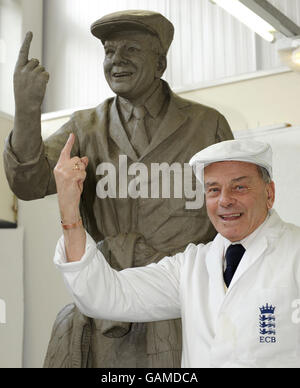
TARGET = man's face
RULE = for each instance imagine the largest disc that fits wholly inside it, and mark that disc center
(130, 65)
(237, 198)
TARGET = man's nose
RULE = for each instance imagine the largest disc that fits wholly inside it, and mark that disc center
(226, 198)
(119, 58)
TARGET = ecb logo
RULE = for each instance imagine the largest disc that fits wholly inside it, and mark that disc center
(267, 324)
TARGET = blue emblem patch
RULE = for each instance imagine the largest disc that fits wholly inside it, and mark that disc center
(267, 324)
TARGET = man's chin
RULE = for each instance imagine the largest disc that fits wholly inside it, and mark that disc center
(231, 234)
(121, 90)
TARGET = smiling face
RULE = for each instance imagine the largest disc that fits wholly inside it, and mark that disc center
(237, 198)
(131, 65)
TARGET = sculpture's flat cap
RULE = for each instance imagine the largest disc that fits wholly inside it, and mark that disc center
(242, 150)
(152, 22)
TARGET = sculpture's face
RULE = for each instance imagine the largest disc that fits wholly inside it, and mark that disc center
(130, 64)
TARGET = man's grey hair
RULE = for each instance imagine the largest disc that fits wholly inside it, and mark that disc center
(265, 176)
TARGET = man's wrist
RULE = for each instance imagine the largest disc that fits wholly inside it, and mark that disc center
(29, 111)
(71, 226)
(70, 216)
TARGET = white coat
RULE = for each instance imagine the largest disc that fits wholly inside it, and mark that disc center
(250, 325)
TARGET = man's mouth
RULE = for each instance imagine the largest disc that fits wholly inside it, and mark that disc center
(231, 217)
(122, 74)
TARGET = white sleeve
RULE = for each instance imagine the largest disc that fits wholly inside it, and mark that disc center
(135, 295)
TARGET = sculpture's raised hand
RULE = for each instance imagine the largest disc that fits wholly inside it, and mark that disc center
(30, 80)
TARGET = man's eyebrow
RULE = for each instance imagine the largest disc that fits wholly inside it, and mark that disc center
(108, 43)
(239, 178)
(209, 184)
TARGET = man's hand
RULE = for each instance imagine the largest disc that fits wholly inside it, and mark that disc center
(30, 80)
(69, 176)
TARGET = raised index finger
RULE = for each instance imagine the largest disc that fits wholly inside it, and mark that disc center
(24, 50)
(66, 151)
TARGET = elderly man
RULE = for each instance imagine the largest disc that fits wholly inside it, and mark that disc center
(148, 124)
(234, 294)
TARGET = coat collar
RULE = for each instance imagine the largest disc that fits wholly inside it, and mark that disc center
(214, 260)
(173, 119)
(153, 104)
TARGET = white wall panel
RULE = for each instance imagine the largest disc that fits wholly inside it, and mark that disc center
(9, 15)
(285, 147)
(208, 45)
(16, 18)
(11, 297)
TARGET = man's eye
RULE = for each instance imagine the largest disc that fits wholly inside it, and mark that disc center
(212, 190)
(240, 188)
(109, 51)
(133, 49)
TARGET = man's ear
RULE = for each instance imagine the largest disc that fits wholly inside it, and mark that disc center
(271, 194)
(161, 66)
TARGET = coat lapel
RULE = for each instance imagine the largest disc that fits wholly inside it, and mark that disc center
(118, 133)
(173, 119)
(250, 257)
(263, 242)
(214, 264)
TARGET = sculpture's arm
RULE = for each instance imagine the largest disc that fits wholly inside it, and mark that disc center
(30, 81)
(29, 161)
(34, 178)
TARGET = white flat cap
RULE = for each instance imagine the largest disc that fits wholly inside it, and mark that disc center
(242, 150)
